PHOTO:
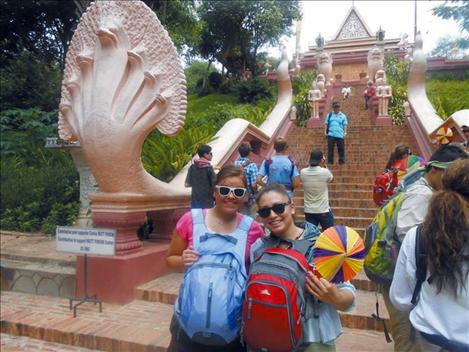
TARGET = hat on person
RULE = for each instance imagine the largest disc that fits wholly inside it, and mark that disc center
(315, 157)
(336, 104)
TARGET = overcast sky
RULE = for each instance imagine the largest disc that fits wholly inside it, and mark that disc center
(395, 17)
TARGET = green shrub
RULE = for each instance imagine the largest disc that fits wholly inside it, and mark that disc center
(397, 73)
(254, 90)
(165, 156)
(35, 181)
(230, 86)
(448, 96)
(215, 80)
(301, 86)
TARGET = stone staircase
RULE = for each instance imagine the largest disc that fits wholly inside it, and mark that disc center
(367, 149)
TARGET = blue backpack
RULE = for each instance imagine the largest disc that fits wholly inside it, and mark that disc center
(211, 295)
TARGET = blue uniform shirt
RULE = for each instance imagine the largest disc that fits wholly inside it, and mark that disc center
(280, 171)
(337, 123)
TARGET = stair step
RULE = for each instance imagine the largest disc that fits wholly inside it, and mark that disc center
(136, 326)
(353, 222)
(355, 340)
(166, 289)
(339, 211)
(352, 203)
(42, 278)
(351, 194)
(13, 343)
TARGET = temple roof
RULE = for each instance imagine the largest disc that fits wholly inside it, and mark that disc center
(353, 27)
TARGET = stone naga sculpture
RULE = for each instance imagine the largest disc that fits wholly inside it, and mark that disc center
(122, 79)
(320, 84)
(417, 95)
(314, 96)
(324, 62)
(375, 61)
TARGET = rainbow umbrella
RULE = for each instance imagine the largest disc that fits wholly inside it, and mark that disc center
(444, 135)
(339, 254)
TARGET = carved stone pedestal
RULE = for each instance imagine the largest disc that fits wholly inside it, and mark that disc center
(114, 279)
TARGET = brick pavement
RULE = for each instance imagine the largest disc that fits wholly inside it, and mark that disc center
(137, 326)
(12, 343)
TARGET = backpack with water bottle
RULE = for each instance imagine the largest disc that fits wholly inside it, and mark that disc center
(211, 295)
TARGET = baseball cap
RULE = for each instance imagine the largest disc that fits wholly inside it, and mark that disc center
(315, 157)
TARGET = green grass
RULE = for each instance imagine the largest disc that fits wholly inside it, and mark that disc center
(198, 105)
(448, 96)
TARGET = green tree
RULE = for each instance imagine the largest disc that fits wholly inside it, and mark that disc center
(457, 10)
(179, 19)
(448, 47)
(235, 32)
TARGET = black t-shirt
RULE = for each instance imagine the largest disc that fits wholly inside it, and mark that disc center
(202, 181)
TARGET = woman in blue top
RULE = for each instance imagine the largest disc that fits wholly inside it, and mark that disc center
(276, 210)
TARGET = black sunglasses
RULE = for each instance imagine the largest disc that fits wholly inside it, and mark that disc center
(277, 208)
(224, 191)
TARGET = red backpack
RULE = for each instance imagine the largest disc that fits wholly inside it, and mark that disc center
(385, 185)
(275, 303)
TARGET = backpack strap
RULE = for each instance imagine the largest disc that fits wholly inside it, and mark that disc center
(246, 223)
(421, 264)
(328, 120)
(267, 164)
(292, 166)
(197, 216)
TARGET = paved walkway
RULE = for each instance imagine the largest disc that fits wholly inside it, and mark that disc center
(37, 247)
(12, 343)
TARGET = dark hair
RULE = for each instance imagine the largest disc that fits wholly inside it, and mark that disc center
(231, 171)
(336, 104)
(273, 187)
(399, 152)
(244, 149)
(448, 152)
(280, 144)
(203, 149)
(446, 229)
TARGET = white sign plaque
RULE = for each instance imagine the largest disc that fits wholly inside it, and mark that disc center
(85, 240)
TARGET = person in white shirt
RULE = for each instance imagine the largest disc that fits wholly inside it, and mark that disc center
(346, 90)
(441, 314)
(315, 180)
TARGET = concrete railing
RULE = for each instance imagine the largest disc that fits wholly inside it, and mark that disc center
(423, 119)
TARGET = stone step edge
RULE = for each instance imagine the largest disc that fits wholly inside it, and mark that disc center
(48, 268)
(38, 260)
(85, 340)
(349, 320)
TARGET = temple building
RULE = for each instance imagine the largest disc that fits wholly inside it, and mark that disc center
(350, 46)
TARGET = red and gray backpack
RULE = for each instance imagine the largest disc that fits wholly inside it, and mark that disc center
(385, 186)
(275, 303)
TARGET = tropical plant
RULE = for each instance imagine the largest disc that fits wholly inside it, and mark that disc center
(301, 87)
(397, 73)
(165, 156)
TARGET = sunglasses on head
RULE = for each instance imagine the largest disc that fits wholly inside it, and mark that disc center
(278, 209)
(224, 191)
